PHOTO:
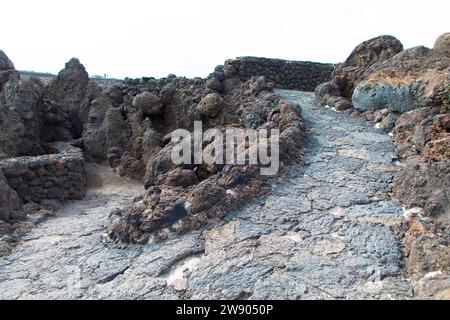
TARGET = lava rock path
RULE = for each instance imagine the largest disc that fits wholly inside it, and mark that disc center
(327, 229)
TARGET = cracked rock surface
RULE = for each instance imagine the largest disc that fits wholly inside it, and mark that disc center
(327, 229)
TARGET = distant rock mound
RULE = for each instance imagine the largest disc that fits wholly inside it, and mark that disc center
(442, 44)
(6, 69)
(5, 63)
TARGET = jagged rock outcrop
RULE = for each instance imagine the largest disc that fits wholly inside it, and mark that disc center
(371, 52)
(65, 101)
(32, 114)
(36, 175)
(442, 44)
(129, 126)
(380, 76)
(23, 121)
(423, 138)
(182, 197)
(414, 78)
(348, 74)
(20, 113)
(5, 63)
(6, 69)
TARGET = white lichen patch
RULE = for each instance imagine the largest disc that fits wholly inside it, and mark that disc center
(178, 277)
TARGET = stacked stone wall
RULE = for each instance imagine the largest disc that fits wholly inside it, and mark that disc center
(298, 75)
(60, 176)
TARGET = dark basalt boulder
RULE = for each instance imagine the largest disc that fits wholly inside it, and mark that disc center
(401, 97)
(326, 90)
(442, 44)
(149, 103)
(211, 105)
(347, 75)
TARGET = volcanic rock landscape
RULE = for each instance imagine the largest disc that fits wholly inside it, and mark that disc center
(93, 207)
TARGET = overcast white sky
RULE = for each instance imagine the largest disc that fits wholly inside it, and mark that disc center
(189, 38)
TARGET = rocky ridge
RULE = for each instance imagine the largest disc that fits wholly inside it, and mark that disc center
(183, 197)
(128, 126)
(406, 93)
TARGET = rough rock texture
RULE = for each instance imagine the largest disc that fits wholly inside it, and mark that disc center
(5, 63)
(211, 105)
(23, 97)
(21, 118)
(425, 185)
(179, 178)
(423, 138)
(414, 78)
(442, 44)
(130, 126)
(183, 197)
(371, 52)
(325, 91)
(118, 129)
(32, 114)
(9, 200)
(427, 252)
(65, 101)
(148, 103)
(326, 230)
(6, 69)
(375, 96)
(379, 74)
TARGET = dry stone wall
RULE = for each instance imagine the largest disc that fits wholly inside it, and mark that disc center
(60, 176)
(299, 75)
